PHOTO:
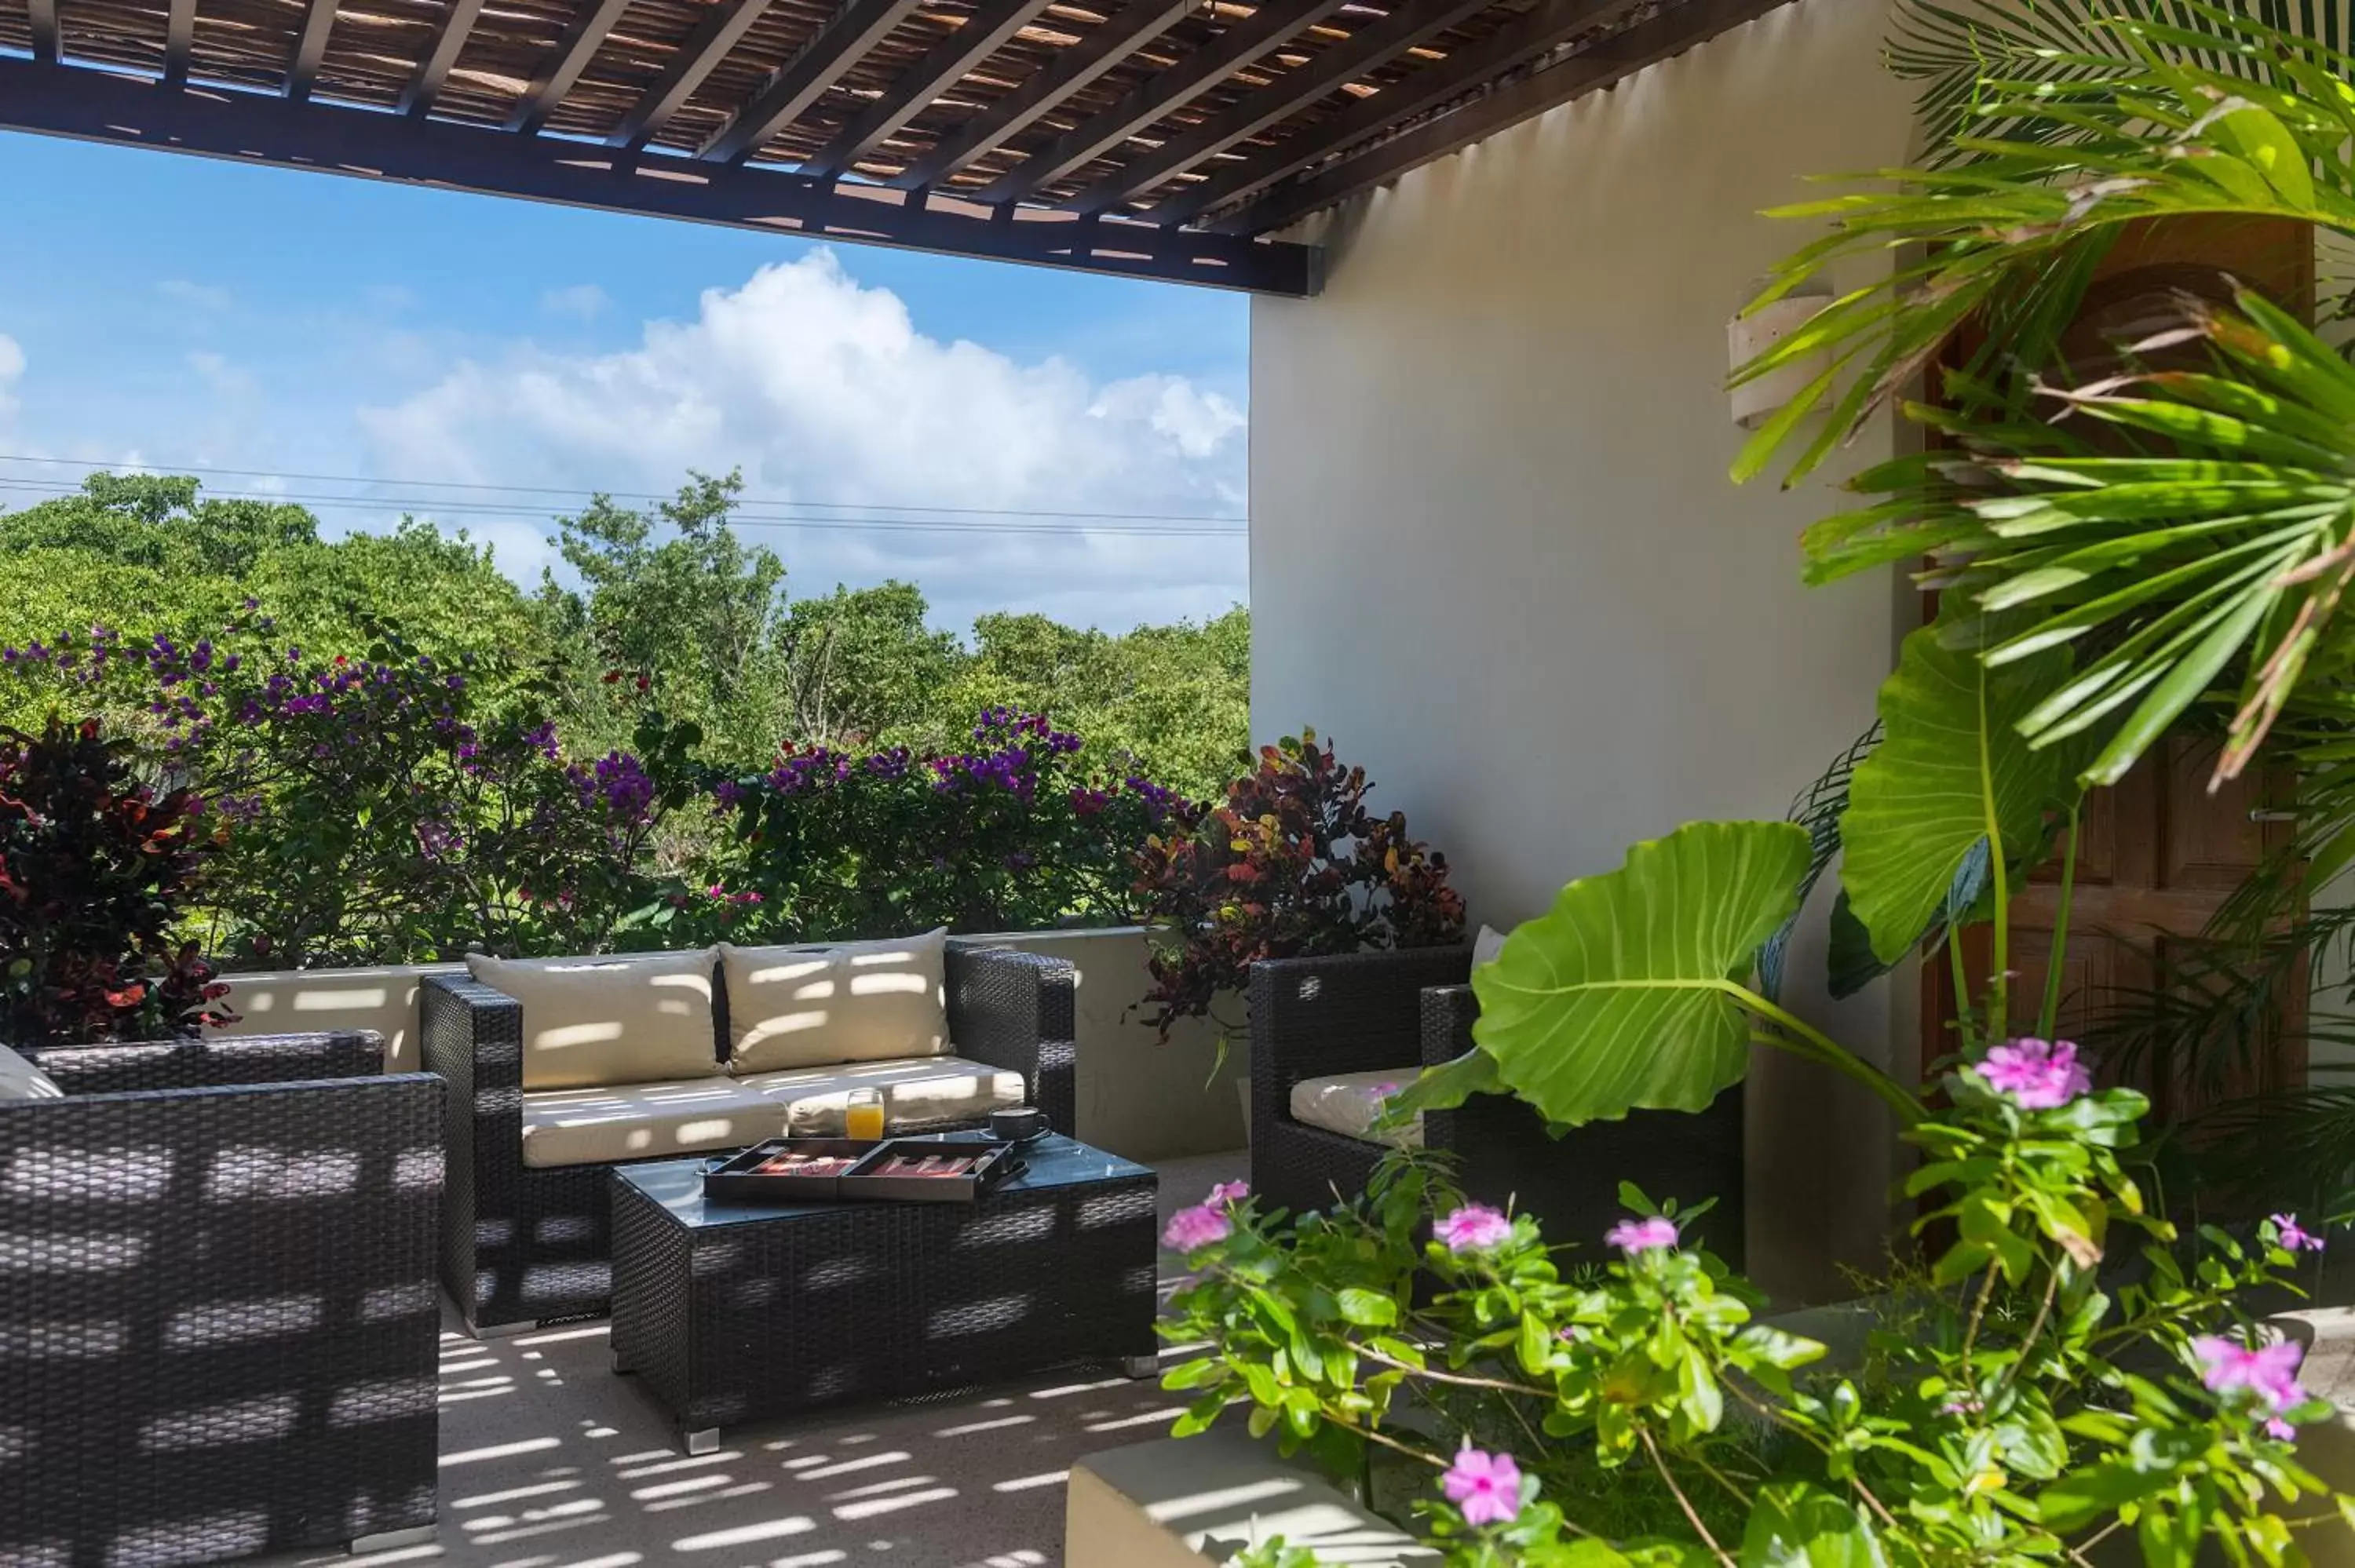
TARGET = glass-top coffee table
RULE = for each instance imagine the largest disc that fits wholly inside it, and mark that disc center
(738, 1312)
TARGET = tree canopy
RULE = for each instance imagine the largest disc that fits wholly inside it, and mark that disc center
(669, 593)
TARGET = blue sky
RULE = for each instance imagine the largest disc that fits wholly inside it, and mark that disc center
(178, 311)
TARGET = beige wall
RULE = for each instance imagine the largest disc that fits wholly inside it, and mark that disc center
(1137, 1098)
(1495, 556)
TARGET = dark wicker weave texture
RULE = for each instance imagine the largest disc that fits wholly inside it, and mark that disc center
(866, 1302)
(520, 1244)
(1348, 1015)
(195, 1064)
(217, 1323)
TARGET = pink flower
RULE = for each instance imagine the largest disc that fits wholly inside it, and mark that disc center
(1486, 1486)
(2294, 1237)
(1190, 1230)
(2269, 1372)
(1632, 1236)
(1472, 1227)
(1227, 1192)
(2038, 1075)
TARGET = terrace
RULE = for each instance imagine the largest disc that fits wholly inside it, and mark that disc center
(1493, 546)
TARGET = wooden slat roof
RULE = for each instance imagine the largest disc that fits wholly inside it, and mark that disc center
(1142, 136)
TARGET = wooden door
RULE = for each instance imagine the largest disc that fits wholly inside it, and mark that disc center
(2158, 853)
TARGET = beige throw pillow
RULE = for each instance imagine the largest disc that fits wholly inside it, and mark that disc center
(592, 1022)
(854, 1001)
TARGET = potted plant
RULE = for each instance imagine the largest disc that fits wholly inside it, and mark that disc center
(96, 865)
(1292, 863)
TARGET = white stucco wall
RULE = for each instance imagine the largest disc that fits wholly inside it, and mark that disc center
(1495, 555)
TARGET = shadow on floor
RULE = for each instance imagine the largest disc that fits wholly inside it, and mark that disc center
(549, 1461)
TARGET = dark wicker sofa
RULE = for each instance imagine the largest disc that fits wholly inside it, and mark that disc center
(218, 1320)
(1362, 1013)
(522, 1244)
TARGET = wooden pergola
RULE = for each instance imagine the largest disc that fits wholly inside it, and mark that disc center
(1157, 138)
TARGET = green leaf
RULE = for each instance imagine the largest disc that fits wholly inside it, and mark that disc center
(1796, 1524)
(2092, 1491)
(1368, 1308)
(1952, 770)
(1625, 994)
(1443, 1088)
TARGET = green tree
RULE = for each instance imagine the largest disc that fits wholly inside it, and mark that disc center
(698, 613)
(862, 662)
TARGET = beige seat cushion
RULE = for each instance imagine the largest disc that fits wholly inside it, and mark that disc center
(1348, 1103)
(20, 1080)
(589, 1024)
(919, 1095)
(853, 1001)
(643, 1121)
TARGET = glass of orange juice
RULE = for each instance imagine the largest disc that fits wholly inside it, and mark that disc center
(864, 1116)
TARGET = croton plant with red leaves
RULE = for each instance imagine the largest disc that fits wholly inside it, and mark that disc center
(1291, 864)
(96, 868)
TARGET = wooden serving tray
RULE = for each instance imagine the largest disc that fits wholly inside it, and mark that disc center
(741, 1180)
(929, 1171)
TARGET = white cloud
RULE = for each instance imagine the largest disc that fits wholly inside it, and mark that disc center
(586, 301)
(11, 370)
(221, 378)
(824, 391)
(204, 296)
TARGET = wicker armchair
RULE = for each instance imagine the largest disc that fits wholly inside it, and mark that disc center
(522, 1244)
(218, 1320)
(1362, 1013)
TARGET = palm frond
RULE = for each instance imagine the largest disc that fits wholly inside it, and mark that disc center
(1818, 808)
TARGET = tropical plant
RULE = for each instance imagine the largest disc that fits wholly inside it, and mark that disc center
(1011, 832)
(96, 868)
(2066, 1366)
(1291, 864)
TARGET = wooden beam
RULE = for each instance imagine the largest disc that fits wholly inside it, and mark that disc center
(857, 27)
(418, 97)
(590, 25)
(1115, 39)
(1431, 87)
(1369, 48)
(44, 15)
(713, 37)
(303, 71)
(250, 129)
(1166, 89)
(944, 65)
(1671, 32)
(180, 40)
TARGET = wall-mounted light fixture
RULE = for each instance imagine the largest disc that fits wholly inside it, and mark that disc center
(1748, 337)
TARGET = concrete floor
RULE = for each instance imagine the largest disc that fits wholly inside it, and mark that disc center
(549, 1461)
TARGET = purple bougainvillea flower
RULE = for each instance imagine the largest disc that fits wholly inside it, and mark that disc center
(1632, 1236)
(1229, 1193)
(1472, 1227)
(2268, 1371)
(2036, 1074)
(2294, 1237)
(1190, 1230)
(1486, 1486)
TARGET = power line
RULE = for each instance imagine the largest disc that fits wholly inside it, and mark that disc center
(459, 509)
(755, 500)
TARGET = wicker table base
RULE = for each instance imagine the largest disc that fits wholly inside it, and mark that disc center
(734, 1312)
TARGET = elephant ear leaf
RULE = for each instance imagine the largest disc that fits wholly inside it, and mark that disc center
(1952, 775)
(1626, 995)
